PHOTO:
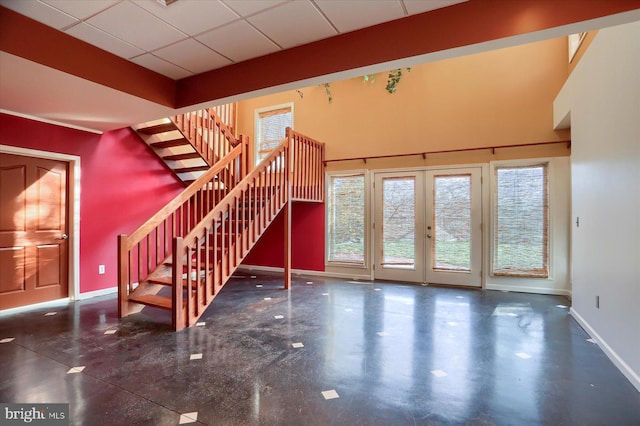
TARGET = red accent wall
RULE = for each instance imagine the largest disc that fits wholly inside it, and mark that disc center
(122, 183)
(307, 240)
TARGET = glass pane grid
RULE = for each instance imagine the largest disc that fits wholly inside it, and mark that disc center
(451, 246)
(346, 219)
(398, 233)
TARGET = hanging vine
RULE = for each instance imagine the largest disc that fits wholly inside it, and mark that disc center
(393, 79)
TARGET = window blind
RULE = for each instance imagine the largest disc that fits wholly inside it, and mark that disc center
(521, 222)
(272, 127)
(346, 219)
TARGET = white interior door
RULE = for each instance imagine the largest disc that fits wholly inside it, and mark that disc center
(427, 226)
(454, 227)
(399, 226)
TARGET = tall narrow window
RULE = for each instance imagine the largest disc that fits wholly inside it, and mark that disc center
(271, 125)
(521, 222)
(346, 216)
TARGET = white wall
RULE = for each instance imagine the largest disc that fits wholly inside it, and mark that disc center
(602, 96)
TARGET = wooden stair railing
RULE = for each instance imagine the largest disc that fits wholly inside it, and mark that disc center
(308, 168)
(192, 142)
(208, 134)
(227, 114)
(205, 257)
(143, 253)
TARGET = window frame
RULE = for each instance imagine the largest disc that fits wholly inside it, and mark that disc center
(329, 263)
(493, 217)
(256, 126)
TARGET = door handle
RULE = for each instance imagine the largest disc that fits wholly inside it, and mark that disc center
(428, 235)
(64, 237)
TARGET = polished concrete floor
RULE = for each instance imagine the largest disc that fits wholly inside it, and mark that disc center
(326, 352)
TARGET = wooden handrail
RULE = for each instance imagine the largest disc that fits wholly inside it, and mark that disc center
(307, 183)
(222, 122)
(228, 115)
(146, 248)
(136, 236)
(197, 240)
(207, 133)
(228, 232)
(446, 151)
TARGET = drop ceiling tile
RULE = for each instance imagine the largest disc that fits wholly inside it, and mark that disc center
(81, 9)
(350, 15)
(249, 7)
(191, 16)
(136, 26)
(420, 6)
(191, 55)
(40, 12)
(160, 66)
(238, 41)
(103, 40)
(292, 24)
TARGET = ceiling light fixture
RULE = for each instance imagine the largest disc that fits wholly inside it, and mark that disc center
(166, 2)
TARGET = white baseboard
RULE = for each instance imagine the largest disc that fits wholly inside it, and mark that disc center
(527, 289)
(305, 272)
(633, 377)
(96, 293)
(49, 304)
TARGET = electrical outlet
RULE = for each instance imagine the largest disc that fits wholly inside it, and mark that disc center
(598, 302)
(101, 269)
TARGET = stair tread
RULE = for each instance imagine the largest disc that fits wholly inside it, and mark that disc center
(185, 156)
(157, 128)
(170, 143)
(152, 300)
(192, 169)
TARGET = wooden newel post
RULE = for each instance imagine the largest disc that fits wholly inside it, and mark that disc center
(123, 273)
(287, 210)
(177, 319)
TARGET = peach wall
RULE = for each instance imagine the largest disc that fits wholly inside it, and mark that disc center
(502, 97)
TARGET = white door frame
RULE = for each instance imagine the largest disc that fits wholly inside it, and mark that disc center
(484, 200)
(473, 278)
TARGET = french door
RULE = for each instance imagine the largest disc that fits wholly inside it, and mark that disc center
(427, 226)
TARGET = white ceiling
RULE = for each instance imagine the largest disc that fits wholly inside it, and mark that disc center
(189, 37)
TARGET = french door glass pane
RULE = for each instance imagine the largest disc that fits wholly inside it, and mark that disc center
(398, 233)
(452, 223)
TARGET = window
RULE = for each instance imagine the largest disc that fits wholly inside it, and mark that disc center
(271, 125)
(346, 217)
(575, 40)
(521, 222)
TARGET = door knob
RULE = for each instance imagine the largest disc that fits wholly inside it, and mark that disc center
(428, 235)
(64, 237)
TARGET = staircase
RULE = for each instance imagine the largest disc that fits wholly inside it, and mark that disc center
(193, 142)
(180, 259)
